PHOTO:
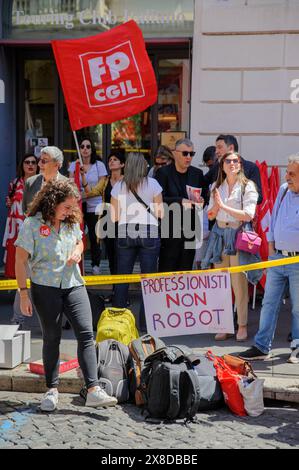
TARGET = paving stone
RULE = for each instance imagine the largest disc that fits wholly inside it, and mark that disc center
(118, 428)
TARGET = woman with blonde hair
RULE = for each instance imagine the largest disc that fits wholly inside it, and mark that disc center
(233, 201)
(137, 205)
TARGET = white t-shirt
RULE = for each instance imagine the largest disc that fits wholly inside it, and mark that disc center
(132, 211)
(95, 172)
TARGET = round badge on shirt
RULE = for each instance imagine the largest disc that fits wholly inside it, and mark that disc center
(44, 230)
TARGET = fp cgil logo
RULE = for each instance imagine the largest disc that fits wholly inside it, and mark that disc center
(103, 76)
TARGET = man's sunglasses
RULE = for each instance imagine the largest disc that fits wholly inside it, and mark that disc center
(88, 146)
(43, 161)
(185, 153)
(30, 162)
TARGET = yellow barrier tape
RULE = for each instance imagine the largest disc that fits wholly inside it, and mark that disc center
(11, 284)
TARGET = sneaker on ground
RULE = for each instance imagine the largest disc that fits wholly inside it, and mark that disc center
(294, 357)
(96, 270)
(99, 398)
(49, 401)
(254, 354)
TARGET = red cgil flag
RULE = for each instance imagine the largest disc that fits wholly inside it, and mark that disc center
(106, 77)
(274, 184)
(263, 215)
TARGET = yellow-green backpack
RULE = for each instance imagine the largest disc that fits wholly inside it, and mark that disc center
(118, 324)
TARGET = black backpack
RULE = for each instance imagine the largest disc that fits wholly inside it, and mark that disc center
(170, 385)
(140, 349)
(211, 396)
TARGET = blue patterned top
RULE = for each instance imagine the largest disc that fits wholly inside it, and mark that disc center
(49, 252)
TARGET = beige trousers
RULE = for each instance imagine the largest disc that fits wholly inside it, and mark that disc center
(239, 285)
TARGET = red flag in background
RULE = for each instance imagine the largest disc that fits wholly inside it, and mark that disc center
(105, 77)
(263, 210)
(270, 188)
(263, 215)
(274, 183)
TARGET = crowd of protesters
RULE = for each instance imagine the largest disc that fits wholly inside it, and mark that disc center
(155, 217)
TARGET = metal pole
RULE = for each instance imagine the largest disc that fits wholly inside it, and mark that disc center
(81, 163)
(77, 147)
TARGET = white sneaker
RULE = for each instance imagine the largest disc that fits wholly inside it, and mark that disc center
(49, 401)
(99, 398)
(294, 357)
(96, 270)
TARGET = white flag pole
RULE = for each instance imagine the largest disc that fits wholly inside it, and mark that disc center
(77, 147)
(81, 164)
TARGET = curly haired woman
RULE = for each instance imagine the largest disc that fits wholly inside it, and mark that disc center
(50, 240)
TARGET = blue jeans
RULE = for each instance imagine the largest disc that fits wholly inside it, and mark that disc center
(127, 251)
(277, 280)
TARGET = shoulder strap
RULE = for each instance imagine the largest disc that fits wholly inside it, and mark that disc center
(139, 199)
(282, 197)
(243, 189)
(117, 346)
(192, 376)
(102, 350)
(174, 395)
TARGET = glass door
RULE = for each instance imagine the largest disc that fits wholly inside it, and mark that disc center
(173, 100)
(39, 99)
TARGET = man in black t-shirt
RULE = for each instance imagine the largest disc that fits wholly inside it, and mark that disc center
(177, 180)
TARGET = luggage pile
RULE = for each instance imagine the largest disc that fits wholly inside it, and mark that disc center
(170, 382)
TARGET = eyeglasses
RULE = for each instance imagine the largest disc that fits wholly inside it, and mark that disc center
(43, 161)
(185, 153)
(235, 161)
(88, 146)
(30, 162)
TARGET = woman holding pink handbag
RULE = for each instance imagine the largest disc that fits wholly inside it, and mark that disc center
(232, 202)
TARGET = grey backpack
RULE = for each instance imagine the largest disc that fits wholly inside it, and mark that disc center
(114, 364)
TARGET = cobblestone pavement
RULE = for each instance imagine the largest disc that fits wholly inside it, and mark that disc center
(72, 425)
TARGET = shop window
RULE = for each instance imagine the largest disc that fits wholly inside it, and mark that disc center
(173, 99)
(133, 133)
(39, 104)
(68, 5)
(22, 5)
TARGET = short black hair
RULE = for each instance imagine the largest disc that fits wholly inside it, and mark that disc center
(119, 153)
(229, 139)
(209, 154)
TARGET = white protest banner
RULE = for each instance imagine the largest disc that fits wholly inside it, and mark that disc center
(188, 304)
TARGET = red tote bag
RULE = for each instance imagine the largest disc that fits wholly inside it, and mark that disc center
(228, 379)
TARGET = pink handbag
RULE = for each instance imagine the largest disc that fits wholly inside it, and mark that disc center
(248, 241)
